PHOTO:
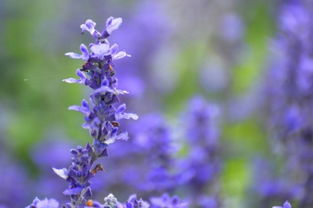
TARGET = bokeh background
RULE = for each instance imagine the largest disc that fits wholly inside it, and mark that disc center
(217, 49)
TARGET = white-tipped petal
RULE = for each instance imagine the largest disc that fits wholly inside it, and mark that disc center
(71, 80)
(74, 108)
(74, 55)
(113, 24)
(120, 55)
(63, 173)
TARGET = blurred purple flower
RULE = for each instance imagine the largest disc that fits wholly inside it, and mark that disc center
(151, 18)
(45, 203)
(102, 113)
(58, 150)
(290, 93)
(201, 166)
(14, 184)
(133, 202)
(165, 201)
(285, 205)
(153, 135)
(271, 187)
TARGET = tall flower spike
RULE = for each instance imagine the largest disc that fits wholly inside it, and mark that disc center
(153, 135)
(101, 114)
(202, 165)
(290, 95)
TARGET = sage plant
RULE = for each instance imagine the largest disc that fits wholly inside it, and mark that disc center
(154, 135)
(102, 112)
(290, 94)
(102, 115)
(202, 165)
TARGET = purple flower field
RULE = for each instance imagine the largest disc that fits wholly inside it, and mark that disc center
(179, 104)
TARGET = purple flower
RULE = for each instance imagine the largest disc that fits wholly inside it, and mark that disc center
(102, 113)
(202, 129)
(202, 123)
(285, 205)
(58, 150)
(150, 17)
(290, 94)
(89, 26)
(133, 202)
(111, 25)
(201, 166)
(165, 201)
(45, 203)
(15, 183)
(154, 136)
(84, 56)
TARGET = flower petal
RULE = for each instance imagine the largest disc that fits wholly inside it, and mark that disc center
(114, 48)
(73, 191)
(127, 116)
(120, 55)
(85, 52)
(122, 136)
(74, 55)
(104, 89)
(113, 24)
(63, 173)
(71, 80)
(89, 26)
(121, 108)
(100, 50)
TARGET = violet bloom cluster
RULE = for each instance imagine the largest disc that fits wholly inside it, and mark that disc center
(285, 205)
(154, 137)
(14, 182)
(269, 185)
(202, 165)
(101, 113)
(110, 201)
(290, 94)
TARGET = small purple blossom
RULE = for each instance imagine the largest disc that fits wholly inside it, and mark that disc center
(285, 205)
(201, 166)
(45, 203)
(165, 201)
(155, 138)
(133, 202)
(290, 94)
(111, 25)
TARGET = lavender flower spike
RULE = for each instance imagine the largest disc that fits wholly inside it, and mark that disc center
(285, 205)
(102, 114)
